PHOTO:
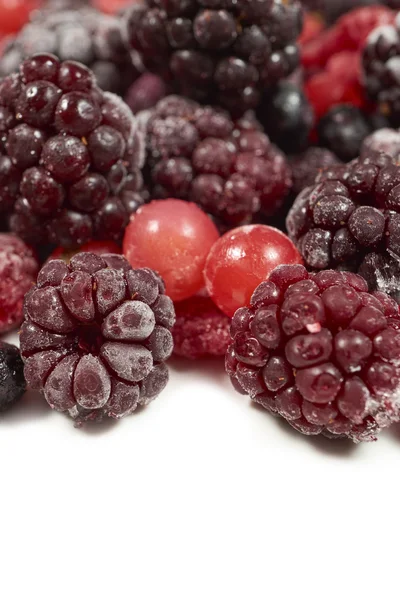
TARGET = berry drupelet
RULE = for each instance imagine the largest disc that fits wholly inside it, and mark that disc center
(385, 140)
(217, 51)
(306, 166)
(96, 336)
(70, 155)
(230, 168)
(343, 130)
(12, 380)
(350, 220)
(320, 351)
(381, 63)
(82, 34)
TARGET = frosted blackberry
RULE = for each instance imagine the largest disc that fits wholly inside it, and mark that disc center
(343, 130)
(306, 166)
(96, 336)
(229, 168)
(320, 351)
(219, 52)
(12, 381)
(350, 220)
(383, 140)
(381, 64)
(76, 33)
(70, 155)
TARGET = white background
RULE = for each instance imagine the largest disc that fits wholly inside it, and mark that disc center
(199, 496)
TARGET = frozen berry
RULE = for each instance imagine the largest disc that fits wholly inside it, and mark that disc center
(319, 351)
(383, 140)
(313, 24)
(306, 166)
(98, 247)
(287, 117)
(14, 14)
(77, 33)
(241, 260)
(201, 329)
(18, 270)
(173, 238)
(96, 336)
(230, 168)
(224, 53)
(12, 381)
(145, 92)
(70, 169)
(343, 131)
(350, 220)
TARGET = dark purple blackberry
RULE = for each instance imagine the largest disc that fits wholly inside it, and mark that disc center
(287, 117)
(12, 380)
(381, 65)
(350, 220)
(306, 166)
(84, 35)
(343, 130)
(198, 153)
(145, 92)
(70, 155)
(219, 52)
(319, 351)
(383, 140)
(96, 336)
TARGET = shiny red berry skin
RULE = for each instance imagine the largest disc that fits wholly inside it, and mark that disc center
(172, 237)
(241, 260)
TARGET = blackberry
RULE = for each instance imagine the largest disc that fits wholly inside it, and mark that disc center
(287, 117)
(350, 220)
(343, 130)
(12, 381)
(383, 140)
(306, 166)
(70, 155)
(84, 35)
(145, 92)
(229, 168)
(96, 336)
(381, 69)
(321, 352)
(219, 52)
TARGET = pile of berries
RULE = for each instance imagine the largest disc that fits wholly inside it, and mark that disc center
(205, 179)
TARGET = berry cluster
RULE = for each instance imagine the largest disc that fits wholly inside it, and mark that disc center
(70, 155)
(319, 351)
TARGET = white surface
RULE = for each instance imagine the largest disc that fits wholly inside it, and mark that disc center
(197, 497)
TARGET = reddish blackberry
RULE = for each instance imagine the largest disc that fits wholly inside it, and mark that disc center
(12, 381)
(287, 117)
(306, 166)
(70, 155)
(343, 130)
(383, 140)
(381, 63)
(96, 336)
(223, 52)
(350, 220)
(201, 329)
(321, 352)
(198, 153)
(84, 35)
(18, 271)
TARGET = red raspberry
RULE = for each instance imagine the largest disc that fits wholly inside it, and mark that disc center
(319, 351)
(312, 27)
(18, 270)
(201, 329)
(96, 336)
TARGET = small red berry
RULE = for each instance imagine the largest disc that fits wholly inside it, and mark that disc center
(15, 13)
(241, 260)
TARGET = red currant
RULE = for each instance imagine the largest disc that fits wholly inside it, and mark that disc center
(243, 258)
(174, 238)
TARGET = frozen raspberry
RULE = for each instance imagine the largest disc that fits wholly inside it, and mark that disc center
(383, 140)
(343, 131)
(14, 14)
(70, 155)
(18, 270)
(174, 238)
(218, 52)
(146, 92)
(330, 10)
(96, 336)
(230, 169)
(350, 220)
(81, 34)
(313, 24)
(381, 63)
(306, 166)
(241, 259)
(287, 117)
(201, 329)
(319, 351)
(12, 381)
